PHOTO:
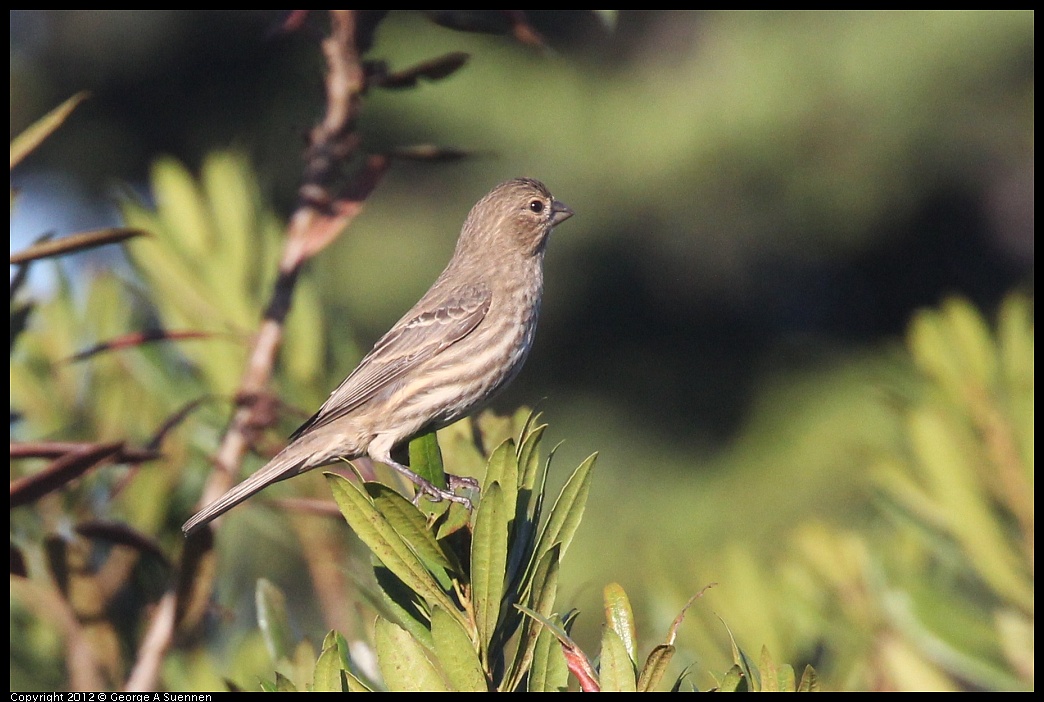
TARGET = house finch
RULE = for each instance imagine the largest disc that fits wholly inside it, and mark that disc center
(460, 345)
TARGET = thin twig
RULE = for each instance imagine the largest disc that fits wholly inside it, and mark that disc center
(324, 210)
(320, 216)
(153, 647)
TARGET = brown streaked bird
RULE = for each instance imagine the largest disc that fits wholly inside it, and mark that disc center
(460, 345)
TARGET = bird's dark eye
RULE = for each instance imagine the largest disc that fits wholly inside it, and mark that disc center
(536, 206)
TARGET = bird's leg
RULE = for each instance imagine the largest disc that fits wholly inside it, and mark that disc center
(380, 451)
(425, 487)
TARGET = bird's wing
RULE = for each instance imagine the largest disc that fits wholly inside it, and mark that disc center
(412, 341)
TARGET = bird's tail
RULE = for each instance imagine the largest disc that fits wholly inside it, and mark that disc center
(286, 464)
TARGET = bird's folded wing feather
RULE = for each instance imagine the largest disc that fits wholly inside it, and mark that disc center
(409, 343)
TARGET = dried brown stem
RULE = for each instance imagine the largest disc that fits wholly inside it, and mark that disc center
(323, 213)
(326, 207)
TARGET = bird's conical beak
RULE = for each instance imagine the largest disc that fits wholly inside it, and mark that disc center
(560, 212)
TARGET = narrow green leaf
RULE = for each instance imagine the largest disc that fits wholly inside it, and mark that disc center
(735, 680)
(183, 211)
(576, 660)
(620, 617)
(655, 667)
(273, 620)
(529, 457)
(555, 627)
(683, 683)
(541, 595)
(337, 639)
(456, 653)
(809, 680)
(548, 672)
(332, 670)
(374, 530)
(426, 459)
(1015, 337)
(353, 683)
(785, 680)
(615, 670)
(972, 341)
(327, 674)
(769, 672)
(38, 131)
(457, 517)
(412, 526)
(502, 467)
(401, 604)
(402, 660)
(938, 443)
(489, 559)
(227, 186)
(743, 661)
(930, 347)
(565, 516)
(284, 684)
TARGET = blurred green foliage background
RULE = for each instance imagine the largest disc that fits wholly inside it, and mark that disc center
(764, 203)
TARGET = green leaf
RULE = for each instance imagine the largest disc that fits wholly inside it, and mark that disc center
(950, 469)
(785, 679)
(655, 667)
(565, 516)
(735, 681)
(555, 627)
(489, 559)
(332, 671)
(743, 661)
(615, 670)
(543, 590)
(182, 209)
(548, 672)
(620, 617)
(426, 459)
(273, 620)
(38, 131)
(456, 653)
(683, 683)
(1015, 336)
(327, 674)
(227, 191)
(809, 680)
(284, 684)
(374, 530)
(529, 456)
(403, 663)
(412, 526)
(502, 467)
(930, 347)
(402, 604)
(768, 670)
(972, 341)
(353, 683)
